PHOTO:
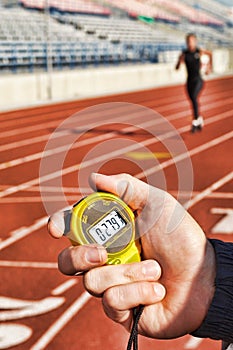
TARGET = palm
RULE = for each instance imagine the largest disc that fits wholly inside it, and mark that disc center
(181, 255)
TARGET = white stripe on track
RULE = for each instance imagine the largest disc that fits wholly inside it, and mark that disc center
(13, 200)
(39, 116)
(221, 195)
(215, 186)
(73, 168)
(22, 232)
(60, 323)
(28, 264)
(42, 126)
(193, 343)
(64, 286)
(38, 139)
(183, 156)
(75, 198)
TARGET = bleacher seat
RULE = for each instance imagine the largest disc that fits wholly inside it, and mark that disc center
(78, 39)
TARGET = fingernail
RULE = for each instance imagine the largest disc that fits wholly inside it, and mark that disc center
(151, 269)
(159, 290)
(95, 255)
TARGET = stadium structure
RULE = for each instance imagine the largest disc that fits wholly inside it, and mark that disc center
(78, 33)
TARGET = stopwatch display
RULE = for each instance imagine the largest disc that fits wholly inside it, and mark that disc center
(103, 218)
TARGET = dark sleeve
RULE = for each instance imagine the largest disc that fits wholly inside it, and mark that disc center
(218, 323)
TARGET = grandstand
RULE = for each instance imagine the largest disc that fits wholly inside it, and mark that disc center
(77, 33)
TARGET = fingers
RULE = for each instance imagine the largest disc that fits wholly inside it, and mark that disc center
(133, 191)
(98, 280)
(59, 223)
(78, 259)
(119, 300)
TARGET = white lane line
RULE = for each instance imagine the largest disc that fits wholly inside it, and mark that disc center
(28, 264)
(64, 286)
(12, 200)
(183, 156)
(221, 210)
(153, 140)
(53, 189)
(78, 144)
(216, 195)
(23, 232)
(37, 139)
(225, 225)
(40, 116)
(193, 343)
(75, 198)
(216, 185)
(61, 322)
(30, 141)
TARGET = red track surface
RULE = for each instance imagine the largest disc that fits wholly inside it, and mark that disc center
(25, 245)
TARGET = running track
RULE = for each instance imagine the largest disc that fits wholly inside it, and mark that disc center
(47, 309)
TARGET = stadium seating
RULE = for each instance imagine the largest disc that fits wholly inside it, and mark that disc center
(186, 11)
(77, 33)
(75, 6)
(142, 8)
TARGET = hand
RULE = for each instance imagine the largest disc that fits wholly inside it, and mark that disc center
(186, 257)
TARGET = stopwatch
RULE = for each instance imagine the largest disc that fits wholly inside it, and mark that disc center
(105, 219)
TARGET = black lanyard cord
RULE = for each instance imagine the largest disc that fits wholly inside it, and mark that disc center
(133, 339)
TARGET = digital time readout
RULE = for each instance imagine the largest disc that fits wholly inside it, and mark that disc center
(108, 227)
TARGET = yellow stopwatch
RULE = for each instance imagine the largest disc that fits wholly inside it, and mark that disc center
(103, 218)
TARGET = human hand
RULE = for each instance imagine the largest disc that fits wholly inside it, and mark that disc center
(186, 257)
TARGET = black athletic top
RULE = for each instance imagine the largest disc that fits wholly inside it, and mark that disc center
(193, 63)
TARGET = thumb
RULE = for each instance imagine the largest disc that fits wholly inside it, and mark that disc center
(131, 190)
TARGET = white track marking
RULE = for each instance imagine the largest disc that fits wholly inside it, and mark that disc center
(53, 189)
(37, 139)
(30, 141)
(25, 200)
(153, 140)
(21, 334)
(225, 225)
(38, 117)
(23, 232)
(76, 145)
(18, 234)
(216, 185)
(221, 195)
(55, 123)
(64, 286)
(28, 264)
(78, 109)
(29, 309)
(193, 343)
(75, 198)
(183, 156)
(61, 322)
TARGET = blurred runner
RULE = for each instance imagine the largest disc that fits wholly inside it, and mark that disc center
(192, 59)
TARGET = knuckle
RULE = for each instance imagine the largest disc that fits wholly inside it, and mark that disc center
(113, 298)
(92, 283)
(89, 281)
(132, 273)
(144, 291)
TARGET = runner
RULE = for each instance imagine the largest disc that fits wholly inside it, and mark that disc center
(192, 59)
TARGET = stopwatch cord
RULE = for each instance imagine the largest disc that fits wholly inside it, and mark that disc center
(133, 339)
